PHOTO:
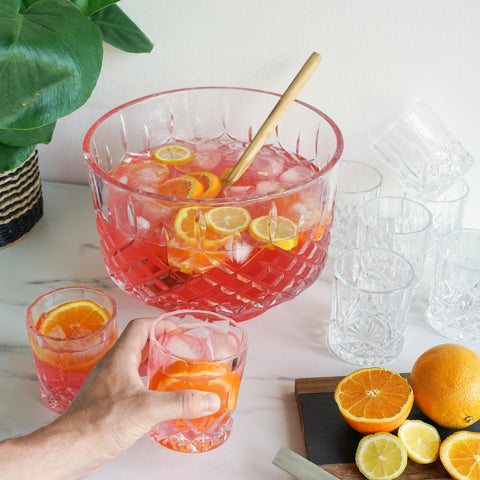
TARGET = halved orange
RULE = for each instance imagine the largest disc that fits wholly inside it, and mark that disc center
(212, 185)
(374, 400)
(73, 320)
(282, 232)
(460, 455)
(184, 187)
(173, 154)
(190, 225)
(228, 220)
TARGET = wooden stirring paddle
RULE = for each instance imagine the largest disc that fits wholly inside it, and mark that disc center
(272, 120)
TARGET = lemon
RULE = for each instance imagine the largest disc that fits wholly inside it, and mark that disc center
(173, 154)
(381, 456)
(228, 220)
(421, 440)
(281, 232)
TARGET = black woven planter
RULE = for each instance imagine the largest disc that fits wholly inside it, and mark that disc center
(21, 202)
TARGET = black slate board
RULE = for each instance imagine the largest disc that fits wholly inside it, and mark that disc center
(330, 440)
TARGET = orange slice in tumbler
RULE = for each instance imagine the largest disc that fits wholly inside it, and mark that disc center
(212, 185)
(73, 320)
(207, 377)
(173, 154)
(185, 187)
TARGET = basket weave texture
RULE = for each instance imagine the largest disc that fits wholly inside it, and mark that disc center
(21, 202)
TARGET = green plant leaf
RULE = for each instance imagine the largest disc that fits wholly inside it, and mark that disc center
(118, 30)
(13, 157)
(50, 59)
(89, 7)
(23, 138)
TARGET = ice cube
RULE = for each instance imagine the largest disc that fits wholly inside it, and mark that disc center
(295, 175)
(267, 166)
(238, 252)
(186, 346)
(238, 191)
(267, 186)
(222, 346)
(200, 332)
(143, 225)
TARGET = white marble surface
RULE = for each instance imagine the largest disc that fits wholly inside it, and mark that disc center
(286, 342)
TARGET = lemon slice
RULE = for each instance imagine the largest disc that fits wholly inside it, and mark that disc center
(283, 235)
(381, 456)
(173, 154)
(228, 220)
(421, 440)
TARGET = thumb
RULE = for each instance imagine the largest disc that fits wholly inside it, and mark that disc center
(183, 404)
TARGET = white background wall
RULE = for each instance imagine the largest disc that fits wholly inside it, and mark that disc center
(379, 58)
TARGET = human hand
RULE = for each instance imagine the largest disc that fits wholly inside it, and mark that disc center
(112, 410)
(114, 406)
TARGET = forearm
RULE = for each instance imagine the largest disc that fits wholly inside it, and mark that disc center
(54, 452)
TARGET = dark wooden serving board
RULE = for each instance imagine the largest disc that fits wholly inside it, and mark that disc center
(332, 443)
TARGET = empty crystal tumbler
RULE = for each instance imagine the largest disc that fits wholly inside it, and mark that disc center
(196, 350)
(398, 224)
(357, 182)
(372, 290)
(447, 212)
(426, 155)
(454, 309)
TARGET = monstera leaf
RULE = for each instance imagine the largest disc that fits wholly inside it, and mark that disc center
(50, 60)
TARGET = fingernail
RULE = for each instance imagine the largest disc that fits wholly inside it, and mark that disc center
(212, 401)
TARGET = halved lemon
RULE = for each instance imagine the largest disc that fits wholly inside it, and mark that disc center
(184, 186)
(281, 232)
(73, 320)
(381, 456)
(421, 440)
(173, 154)
(228, 220)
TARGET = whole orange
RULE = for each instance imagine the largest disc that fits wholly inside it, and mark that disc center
(446, 385)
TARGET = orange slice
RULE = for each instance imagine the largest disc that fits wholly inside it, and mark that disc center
(374, 400)
(228, 220)
(73, 320)
(282, 233)
(185, 187)
(188, 226)
(212, 185)
(173, 154)
(206, 377)
(460, 455)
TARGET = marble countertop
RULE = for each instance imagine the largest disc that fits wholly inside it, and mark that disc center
(286, 343)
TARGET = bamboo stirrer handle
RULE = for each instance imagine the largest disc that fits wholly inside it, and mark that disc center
(272, 120)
